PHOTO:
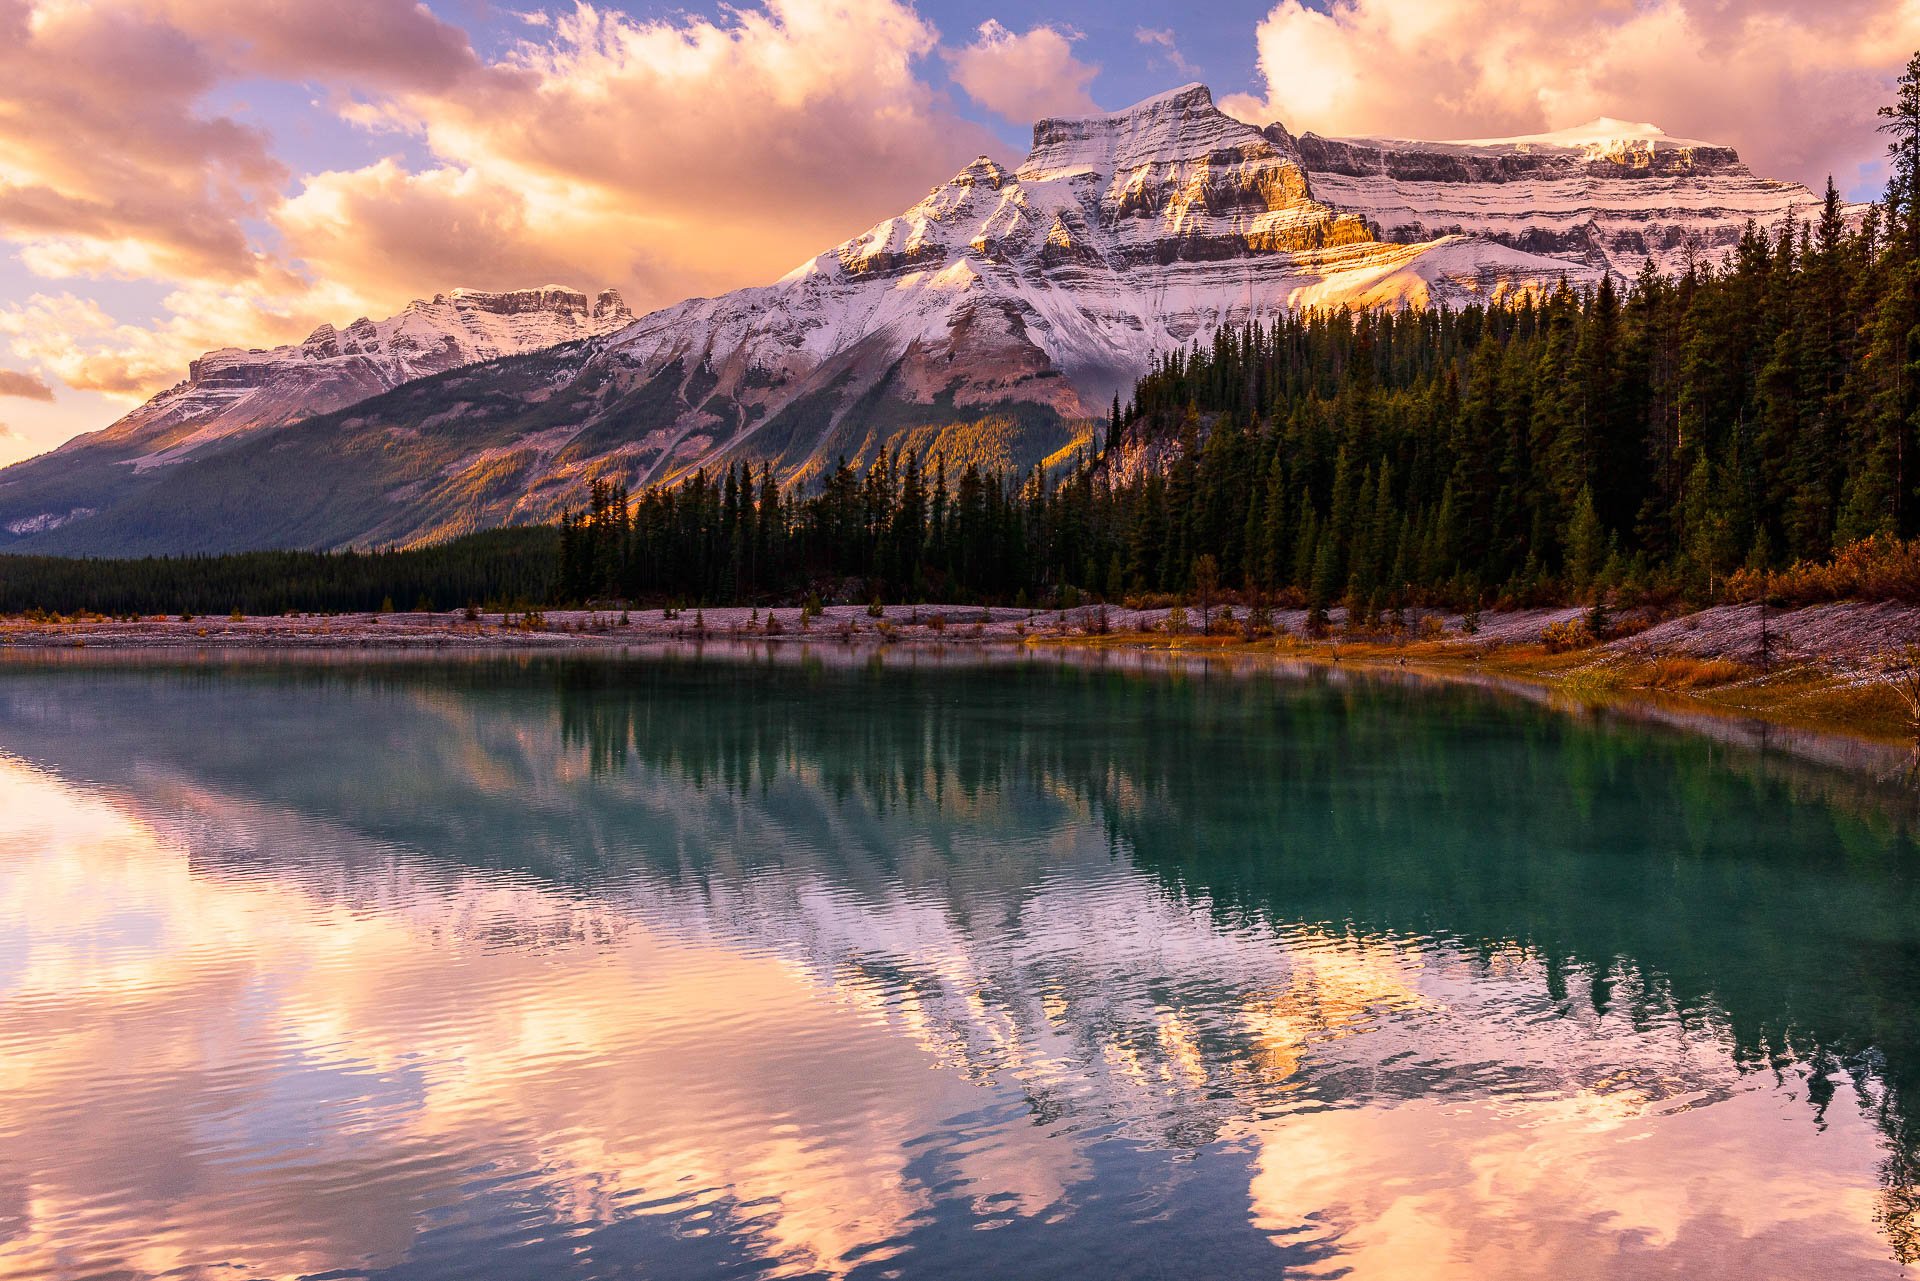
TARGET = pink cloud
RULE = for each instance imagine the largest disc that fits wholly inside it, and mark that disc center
(665, 156)
(1793, 84)
(104, 150)
(363, 42)
(27, 386)
(1025, 77)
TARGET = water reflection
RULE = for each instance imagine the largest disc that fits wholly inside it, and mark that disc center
(697, 968)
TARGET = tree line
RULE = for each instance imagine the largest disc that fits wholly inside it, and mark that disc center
(501, 567)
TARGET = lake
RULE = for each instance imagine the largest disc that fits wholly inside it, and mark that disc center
(836, 964)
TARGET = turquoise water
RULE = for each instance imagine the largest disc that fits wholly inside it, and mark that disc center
(829, 966)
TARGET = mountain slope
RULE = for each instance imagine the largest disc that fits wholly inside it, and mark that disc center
(232, 393)
(991, 321)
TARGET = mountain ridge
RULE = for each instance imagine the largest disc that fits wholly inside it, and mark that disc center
(1005, 306)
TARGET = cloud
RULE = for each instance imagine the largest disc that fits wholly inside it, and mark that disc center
(1025, 77)
(1163, 40)
(354, 42)
(14, 382)
(9, 435)
(110, 165)
(89, 350)
(107, 166)
(667, 156)
(670, 156)
(1792, 83)
(384, 230)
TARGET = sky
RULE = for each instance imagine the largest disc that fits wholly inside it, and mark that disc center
(181, 175)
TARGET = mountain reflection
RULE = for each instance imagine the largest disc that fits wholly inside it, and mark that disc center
(788, 968)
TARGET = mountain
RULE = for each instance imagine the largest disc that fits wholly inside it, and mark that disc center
(231, 392)
(992, 322)
(1608, 193)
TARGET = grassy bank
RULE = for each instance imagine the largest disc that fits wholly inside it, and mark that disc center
(1829, 697)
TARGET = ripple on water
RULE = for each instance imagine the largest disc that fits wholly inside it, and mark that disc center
(1069, 1009)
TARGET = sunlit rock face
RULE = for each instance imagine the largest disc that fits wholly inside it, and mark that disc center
(991, 322)
(1053, 284)
(1610, 193)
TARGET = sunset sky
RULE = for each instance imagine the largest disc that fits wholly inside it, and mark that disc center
(177, 175)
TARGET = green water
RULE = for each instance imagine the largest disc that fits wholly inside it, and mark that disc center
(730, 965)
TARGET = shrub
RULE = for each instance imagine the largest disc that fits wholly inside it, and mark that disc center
(1878, 568)
(1570, 634)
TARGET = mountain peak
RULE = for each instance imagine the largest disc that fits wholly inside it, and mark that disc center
(1179, 123)
(1192, 96)
(981, 171)
(1187, 100)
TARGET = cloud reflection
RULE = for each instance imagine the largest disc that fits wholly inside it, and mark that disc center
(236, 1029)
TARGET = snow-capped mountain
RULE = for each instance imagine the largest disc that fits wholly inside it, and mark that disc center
(1609, 193)
(232, 391)
(991, 321)
(1120, 236)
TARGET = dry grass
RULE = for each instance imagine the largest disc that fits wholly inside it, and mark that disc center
(1680, 672)
(1902, 676)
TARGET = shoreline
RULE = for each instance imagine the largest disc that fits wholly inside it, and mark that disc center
(1819, 668)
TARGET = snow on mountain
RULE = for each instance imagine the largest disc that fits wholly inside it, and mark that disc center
(1120, 236)
(232, 390)
(1608, 193)
(989, 322)
(231, 393)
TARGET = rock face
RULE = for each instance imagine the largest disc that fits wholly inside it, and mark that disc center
(990, 322)
(1609, 194)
